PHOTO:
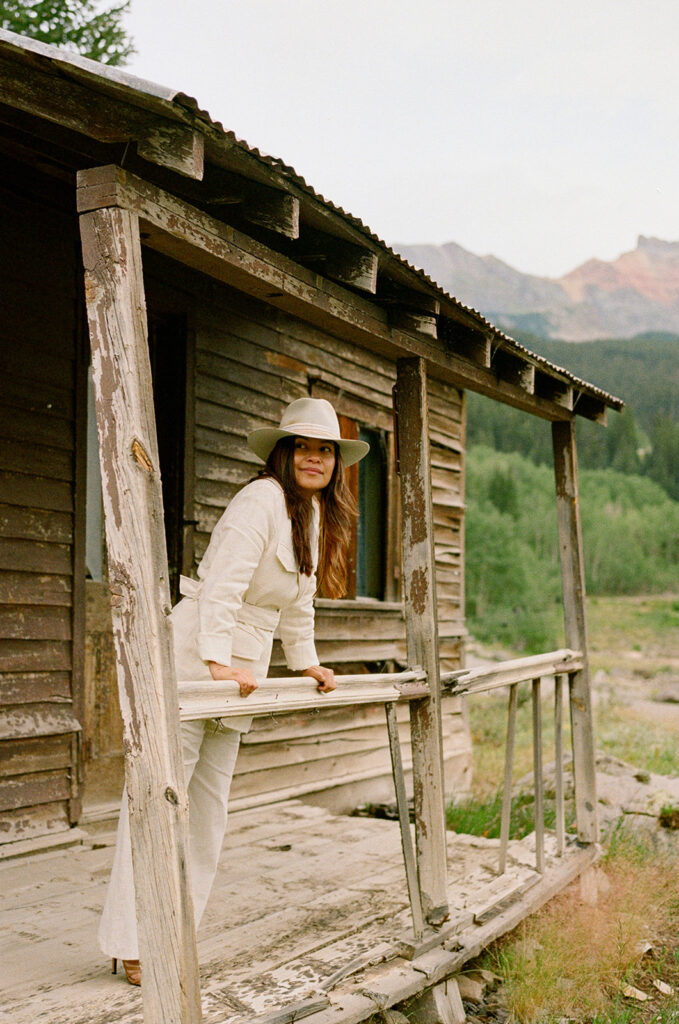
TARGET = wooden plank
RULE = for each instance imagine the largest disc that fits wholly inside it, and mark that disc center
(34, 428)
(45, 819)
(46, 753)
(35, 524)
(36, 492)
(39, 394)
(34, 687)
(35, 656)
(53, 463)
(33, 789)
(36, 557)
(34, 588)
(419, 595)
(573, 587)
(30, 720)
(28, 622)
(273, 383)
(138, 576)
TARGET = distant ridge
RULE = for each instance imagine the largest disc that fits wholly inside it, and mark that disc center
(636, 293)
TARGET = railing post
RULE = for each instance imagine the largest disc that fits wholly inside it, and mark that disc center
(537, 777)
(419, 598)
(138, 574)
(573, 584)
(509, 772)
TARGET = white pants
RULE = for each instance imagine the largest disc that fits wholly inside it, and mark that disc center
(209, 760)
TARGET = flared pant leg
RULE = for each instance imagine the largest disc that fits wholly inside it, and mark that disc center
(209, 760)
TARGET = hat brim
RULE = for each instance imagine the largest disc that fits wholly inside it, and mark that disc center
(263, 440)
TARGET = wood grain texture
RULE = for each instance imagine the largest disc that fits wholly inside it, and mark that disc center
(138, 577)
(573, 587)
(419, 598)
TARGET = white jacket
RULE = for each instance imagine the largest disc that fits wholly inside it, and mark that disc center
(249, 585)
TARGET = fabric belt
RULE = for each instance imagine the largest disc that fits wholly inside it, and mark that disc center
(264, 618)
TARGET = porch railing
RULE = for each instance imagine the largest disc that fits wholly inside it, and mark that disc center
(560, 665)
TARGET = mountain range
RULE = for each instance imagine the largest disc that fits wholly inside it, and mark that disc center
(637, 292)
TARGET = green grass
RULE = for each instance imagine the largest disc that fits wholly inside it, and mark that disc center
(484, 817)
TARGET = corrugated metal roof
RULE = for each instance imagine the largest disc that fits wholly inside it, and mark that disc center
(185, 108)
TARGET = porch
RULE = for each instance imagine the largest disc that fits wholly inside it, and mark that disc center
(309, 920)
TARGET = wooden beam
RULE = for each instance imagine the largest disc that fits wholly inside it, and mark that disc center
(177, 147)
(408, 320)
(554, 390)
(192, 237)
(339, 260)
(270, 208)
(475, 346)
(63, 100)
(419, 597)
(573, 586)
(513, 369)
(138, 576)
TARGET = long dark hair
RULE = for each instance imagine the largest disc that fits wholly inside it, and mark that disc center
(338, 510)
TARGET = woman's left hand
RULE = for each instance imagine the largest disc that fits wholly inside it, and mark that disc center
(325, 677)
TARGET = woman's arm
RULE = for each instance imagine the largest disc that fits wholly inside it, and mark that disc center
(243, 676)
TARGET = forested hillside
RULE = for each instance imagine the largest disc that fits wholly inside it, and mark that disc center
(630, 535)
(643, 439)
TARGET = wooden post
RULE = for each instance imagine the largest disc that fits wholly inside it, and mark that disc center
(419, 598)
(509, 766)
(573, 584)
(404, 822)
(558, 766)
(538, 781)
(140, 595)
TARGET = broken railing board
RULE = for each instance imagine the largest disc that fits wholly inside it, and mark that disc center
(573, 586)
(141, 605)
(419, 600)
(196, 239)
(520, 670)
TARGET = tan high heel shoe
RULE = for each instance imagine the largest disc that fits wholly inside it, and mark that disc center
(132, 970)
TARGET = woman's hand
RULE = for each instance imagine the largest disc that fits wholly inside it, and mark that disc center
(325, 677)
(243, 676)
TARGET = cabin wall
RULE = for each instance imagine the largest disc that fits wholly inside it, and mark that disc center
(251, 360)
(41, 506)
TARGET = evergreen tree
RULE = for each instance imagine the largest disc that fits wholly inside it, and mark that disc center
(77, 25)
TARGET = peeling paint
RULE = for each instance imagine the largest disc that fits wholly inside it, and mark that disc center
(419, 590)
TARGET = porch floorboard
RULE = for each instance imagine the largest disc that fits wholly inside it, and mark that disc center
(309, 914)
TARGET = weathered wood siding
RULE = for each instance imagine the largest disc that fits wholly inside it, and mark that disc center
(251, 360)
(38, 499)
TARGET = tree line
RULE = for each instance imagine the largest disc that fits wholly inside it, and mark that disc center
(642, 440)
(630, 536)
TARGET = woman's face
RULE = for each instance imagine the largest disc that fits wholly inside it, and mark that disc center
(314, 461)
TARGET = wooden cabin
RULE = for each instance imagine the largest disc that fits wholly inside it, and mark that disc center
(217, 287)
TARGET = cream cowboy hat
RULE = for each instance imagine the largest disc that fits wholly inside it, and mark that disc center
(308, 417)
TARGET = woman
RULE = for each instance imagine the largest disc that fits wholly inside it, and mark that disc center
(280, 532)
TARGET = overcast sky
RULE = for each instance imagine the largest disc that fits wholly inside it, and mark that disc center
(540, 131)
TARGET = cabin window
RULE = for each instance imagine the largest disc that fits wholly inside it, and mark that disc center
(371, 533)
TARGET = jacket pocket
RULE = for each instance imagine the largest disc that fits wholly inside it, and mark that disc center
(286, 556)
(246, 642)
